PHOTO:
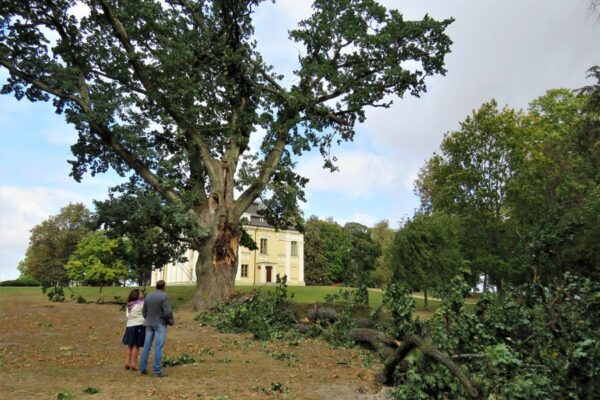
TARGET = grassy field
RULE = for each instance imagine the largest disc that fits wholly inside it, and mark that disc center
(181, 295)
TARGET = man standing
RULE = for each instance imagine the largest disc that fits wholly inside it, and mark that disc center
(158, 314)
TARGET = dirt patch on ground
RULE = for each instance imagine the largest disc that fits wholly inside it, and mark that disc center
(50, 348)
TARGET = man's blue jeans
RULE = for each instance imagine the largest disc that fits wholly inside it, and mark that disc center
(158, 334)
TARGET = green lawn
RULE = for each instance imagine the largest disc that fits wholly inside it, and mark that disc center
(180, 295)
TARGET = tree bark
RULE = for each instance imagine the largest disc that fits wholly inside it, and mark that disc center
(216, 267)
(375, 339)
(323, 314)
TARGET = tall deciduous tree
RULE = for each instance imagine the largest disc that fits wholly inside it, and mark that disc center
(554, 197)
(53, 241)
(525, 186)
(361, 255)
(470, 178)
(425, 252)
(326, 249)
(381, 235)
(173, 90)
(97, 260)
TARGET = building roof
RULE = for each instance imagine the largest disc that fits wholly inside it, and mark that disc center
(258, 220)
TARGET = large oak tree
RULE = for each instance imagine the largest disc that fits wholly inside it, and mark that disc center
(169, 93)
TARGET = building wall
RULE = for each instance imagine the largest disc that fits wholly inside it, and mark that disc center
(278, 259)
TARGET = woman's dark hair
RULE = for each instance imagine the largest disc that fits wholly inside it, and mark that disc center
(133, 295)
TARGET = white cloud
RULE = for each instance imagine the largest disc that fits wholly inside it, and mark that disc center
(20, 210)
(272, 22)
(361, 174)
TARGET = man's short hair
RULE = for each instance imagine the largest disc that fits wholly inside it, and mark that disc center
(160, 284)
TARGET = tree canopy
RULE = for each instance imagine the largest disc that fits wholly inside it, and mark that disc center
(97, 260)
(169, 93)
(524, 186)
(425, 253)
(53, 241)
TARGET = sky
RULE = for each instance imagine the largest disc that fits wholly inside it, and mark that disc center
(509, 50)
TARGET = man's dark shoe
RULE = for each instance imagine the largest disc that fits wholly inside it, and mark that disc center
(160, 375)
(142, 372)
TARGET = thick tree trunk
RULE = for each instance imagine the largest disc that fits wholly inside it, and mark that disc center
(425, 300)
(216, 267)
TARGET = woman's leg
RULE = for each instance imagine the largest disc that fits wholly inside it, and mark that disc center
(128, 351)
(134, 358)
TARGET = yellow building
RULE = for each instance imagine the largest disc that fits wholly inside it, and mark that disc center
(279, 252)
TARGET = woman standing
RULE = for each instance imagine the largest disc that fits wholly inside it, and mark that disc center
(135, 333)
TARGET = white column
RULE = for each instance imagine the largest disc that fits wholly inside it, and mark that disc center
(301, 261)
(288, 258)
(238, 275)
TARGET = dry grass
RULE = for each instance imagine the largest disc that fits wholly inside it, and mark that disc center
(51, 348)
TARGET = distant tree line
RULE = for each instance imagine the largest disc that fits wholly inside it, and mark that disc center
(91, 248)
(512, 196)
(346, 254)
(523, 187)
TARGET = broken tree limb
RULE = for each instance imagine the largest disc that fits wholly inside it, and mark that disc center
(468, 356)
(365, 323)
(386, 376)
(375, 339)
(324, 314)
(330, 315)
(409, 343)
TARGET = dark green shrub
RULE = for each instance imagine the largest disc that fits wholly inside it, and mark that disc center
(264, 315)
(22, 281)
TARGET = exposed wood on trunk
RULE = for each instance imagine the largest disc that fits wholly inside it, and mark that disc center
(226, 245)
(409, 343)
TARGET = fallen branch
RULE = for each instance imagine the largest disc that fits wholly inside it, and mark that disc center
(325, 314)
(409, 343)
(468, 356)
(376, 340)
